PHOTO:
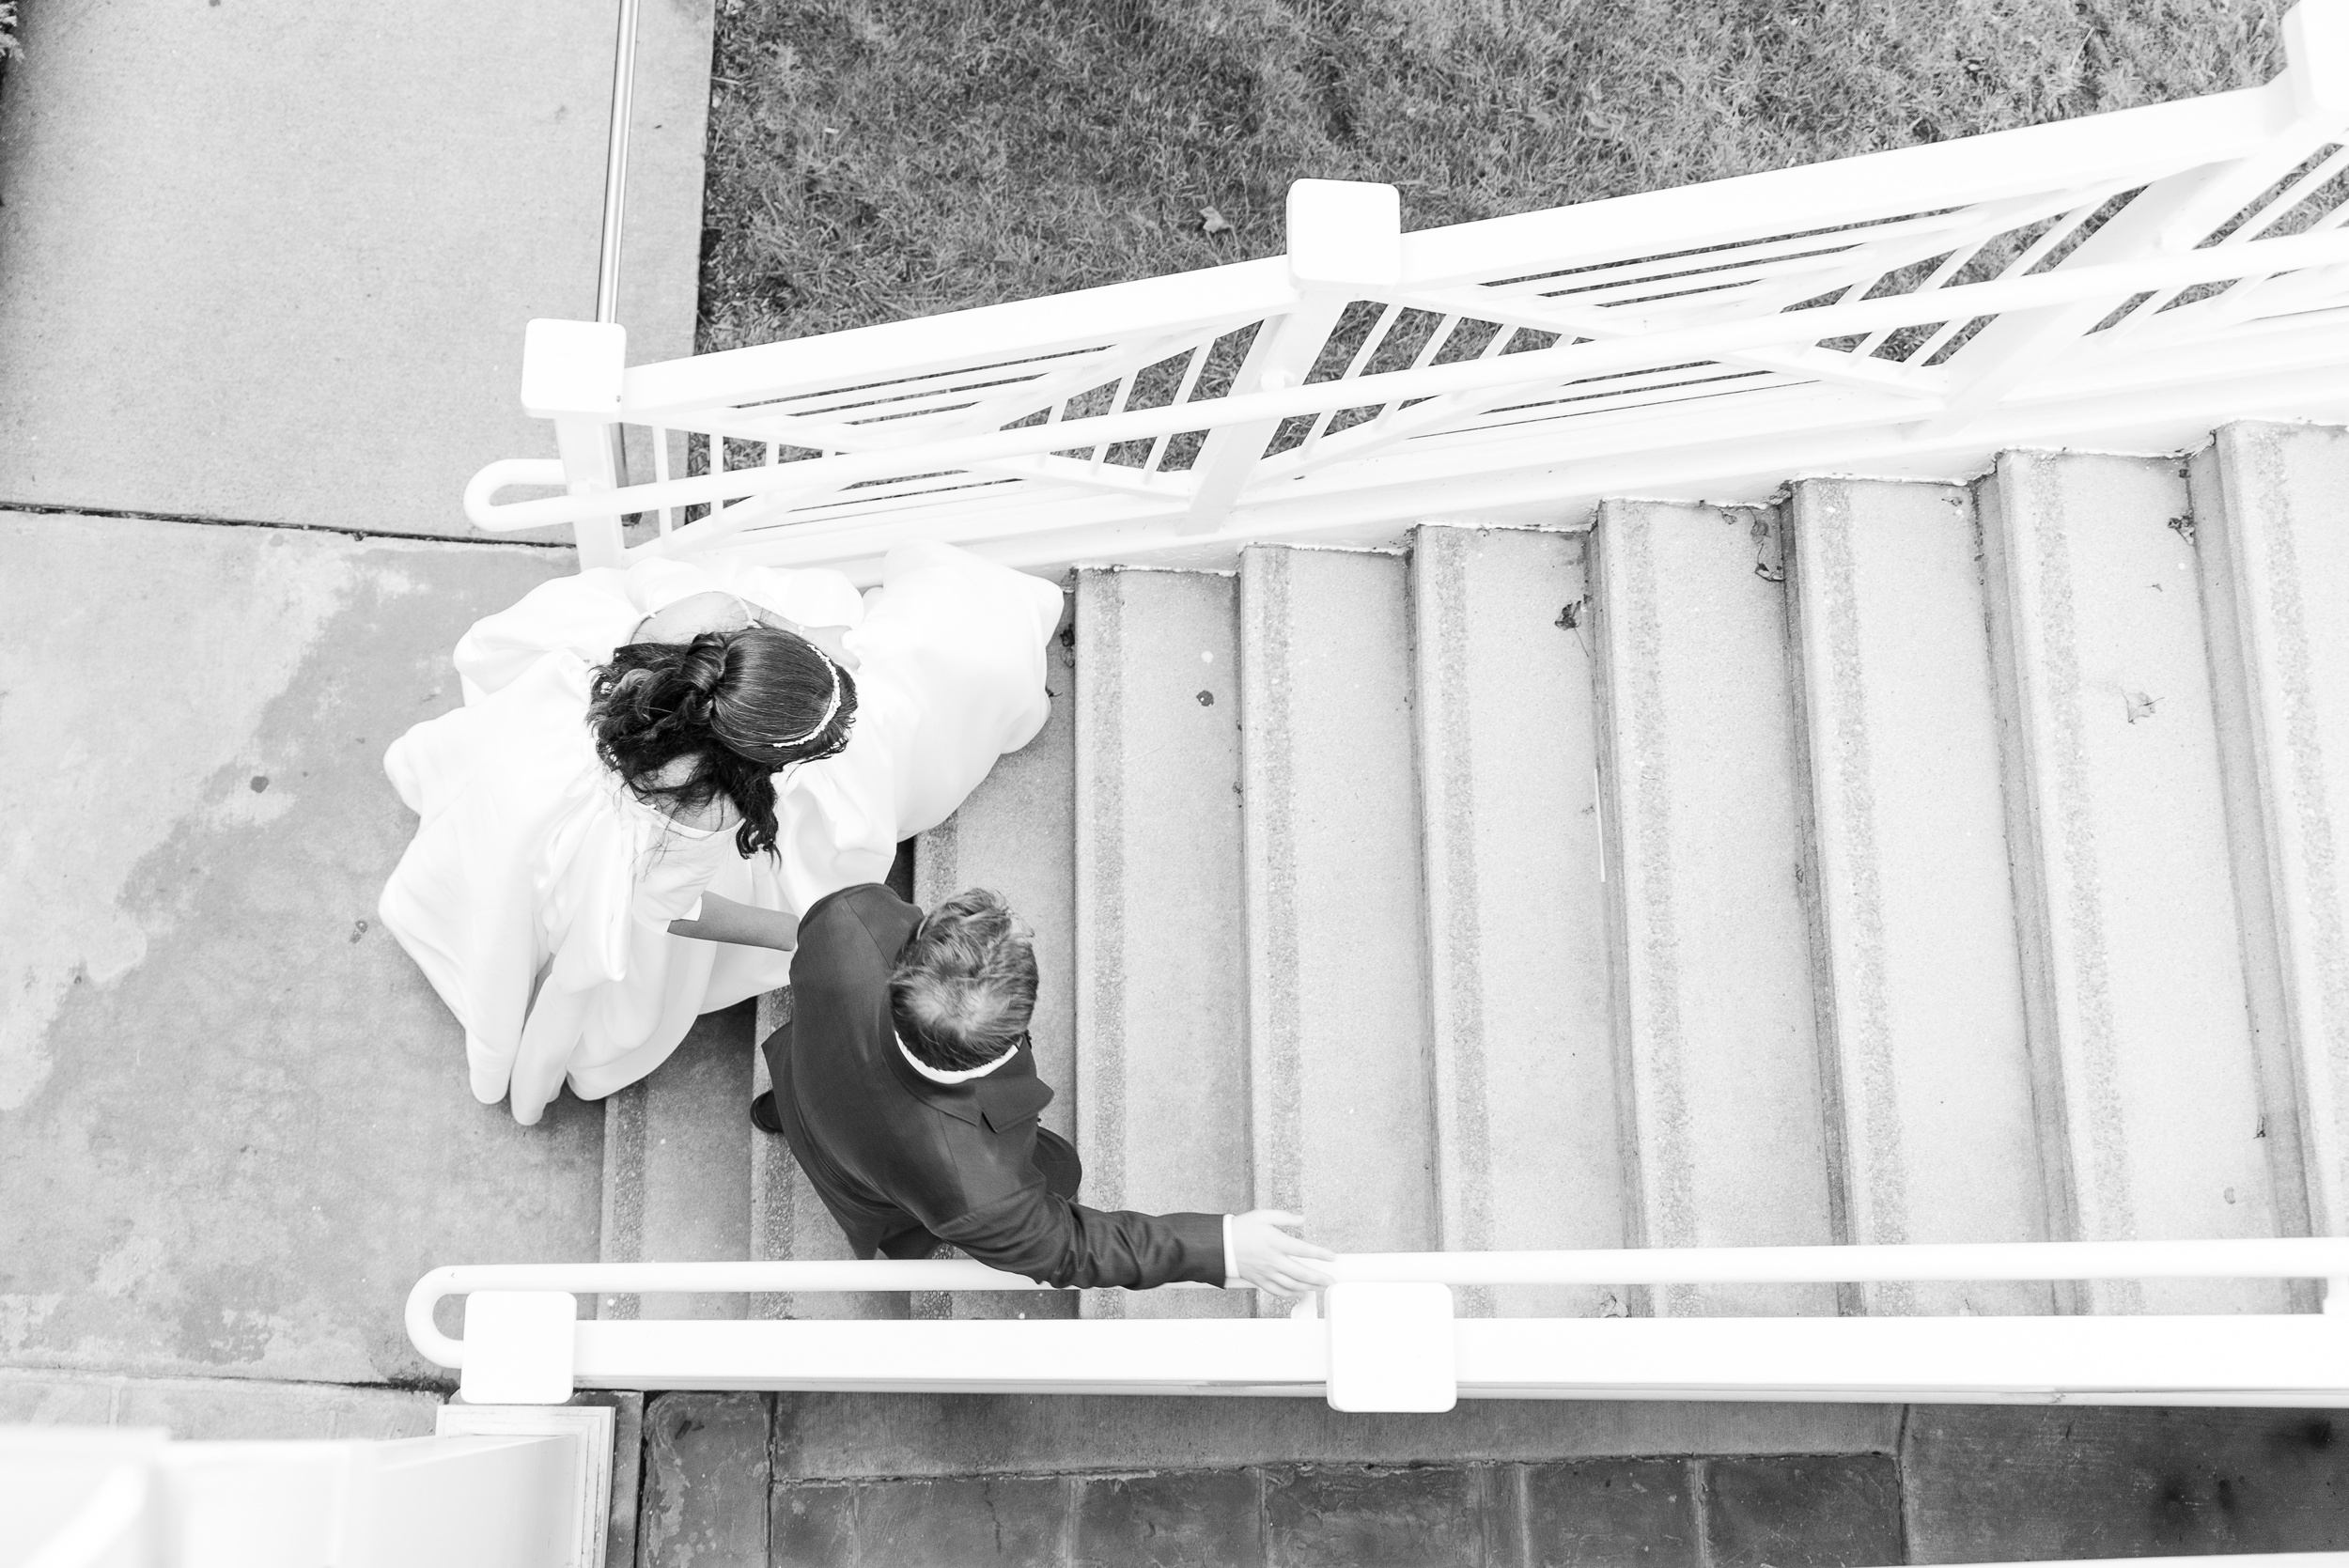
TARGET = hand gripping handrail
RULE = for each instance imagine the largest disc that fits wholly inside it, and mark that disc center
(2280, 1258)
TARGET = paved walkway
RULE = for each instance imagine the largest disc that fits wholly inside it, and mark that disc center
(269, 264)
(270, 261)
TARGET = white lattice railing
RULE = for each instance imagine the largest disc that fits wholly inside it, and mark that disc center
(2129, 278)
(1384, 1336)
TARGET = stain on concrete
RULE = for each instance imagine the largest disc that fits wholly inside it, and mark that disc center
(129, 691)
(1318, 1517)
(230, 1135)
(1803, 1511)
(1633, 1510)
(707, 1478)
(863, 1436)
(1177, 1520)
(1991, 1483)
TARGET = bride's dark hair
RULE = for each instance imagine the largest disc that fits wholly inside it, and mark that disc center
(740, 704)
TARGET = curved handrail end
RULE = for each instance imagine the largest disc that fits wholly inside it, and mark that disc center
(484, 513)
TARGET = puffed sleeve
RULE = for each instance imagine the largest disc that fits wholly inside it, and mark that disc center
(950, 676)
(591, 613)
(586, 614)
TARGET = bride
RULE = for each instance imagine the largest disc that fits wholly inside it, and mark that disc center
(658, 767)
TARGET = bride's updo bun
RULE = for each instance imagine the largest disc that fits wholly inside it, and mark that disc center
(740, 705)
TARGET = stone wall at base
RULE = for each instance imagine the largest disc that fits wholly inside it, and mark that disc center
(910, 1480)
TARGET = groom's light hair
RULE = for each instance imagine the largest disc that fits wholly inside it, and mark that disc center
(964, 987)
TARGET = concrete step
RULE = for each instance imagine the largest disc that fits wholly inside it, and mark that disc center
(1338, 1057)
(673, 1187)
(1704, 860)
(2133, 958)
(1161, 1075)
(1531, 1124)
(1922, 994)
(1015, 835)
(2268, 501)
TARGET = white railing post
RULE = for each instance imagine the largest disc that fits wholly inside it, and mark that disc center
(571, 374)
(2316, 56)
(1392, 1347)
(521, 1344)
(1344, 236)
(2175, 214)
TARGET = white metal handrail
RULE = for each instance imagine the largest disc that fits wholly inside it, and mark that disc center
(1582, 359)
(615, 165)
(2132, 277)
(1395, 1329)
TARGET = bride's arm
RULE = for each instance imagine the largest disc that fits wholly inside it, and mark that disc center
(722, 920)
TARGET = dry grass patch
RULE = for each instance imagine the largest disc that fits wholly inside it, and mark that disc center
(877, 158)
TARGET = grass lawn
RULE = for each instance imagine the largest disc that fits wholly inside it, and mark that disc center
(877, 158)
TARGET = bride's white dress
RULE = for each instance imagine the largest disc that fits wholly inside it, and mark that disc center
(533, 867)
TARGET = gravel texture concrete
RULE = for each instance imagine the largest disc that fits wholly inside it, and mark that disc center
(1338, 1067)
(1532, 1132)
(234, 1121)
(2125, 875)
(1918, 967)
(1704, 861)
(271, 261)
(1163, 996)
(2274, 569)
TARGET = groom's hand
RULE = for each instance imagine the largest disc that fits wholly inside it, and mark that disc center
(1267, 1257)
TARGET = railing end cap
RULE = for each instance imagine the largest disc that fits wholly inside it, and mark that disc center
(573, 368)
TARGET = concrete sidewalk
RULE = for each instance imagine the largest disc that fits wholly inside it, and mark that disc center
(234, 1121)
(270, 261)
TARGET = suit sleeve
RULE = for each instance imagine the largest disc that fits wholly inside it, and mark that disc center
(1036, 1233)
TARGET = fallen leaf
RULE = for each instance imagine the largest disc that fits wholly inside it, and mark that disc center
(2140, 705)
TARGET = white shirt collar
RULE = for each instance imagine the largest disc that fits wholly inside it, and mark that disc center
(939, 1075)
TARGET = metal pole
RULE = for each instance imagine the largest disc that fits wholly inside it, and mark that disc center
(615, 166)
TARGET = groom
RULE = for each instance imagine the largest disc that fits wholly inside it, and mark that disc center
(906, 1087)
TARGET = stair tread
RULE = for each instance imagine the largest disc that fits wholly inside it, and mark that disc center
(1716, 998)
(1015, 835)
(2269, 503)
(1873, 870)
(674, 1188)
(1919, 960)
(1162, 987)
(1530, 1146)
(2132, 936)
(1337, 1047)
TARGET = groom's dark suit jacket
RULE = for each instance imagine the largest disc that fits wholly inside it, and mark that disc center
(905, 1162)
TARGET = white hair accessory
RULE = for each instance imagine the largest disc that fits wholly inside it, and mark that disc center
(831, 709)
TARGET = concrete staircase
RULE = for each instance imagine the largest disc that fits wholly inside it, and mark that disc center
(1903, 861)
